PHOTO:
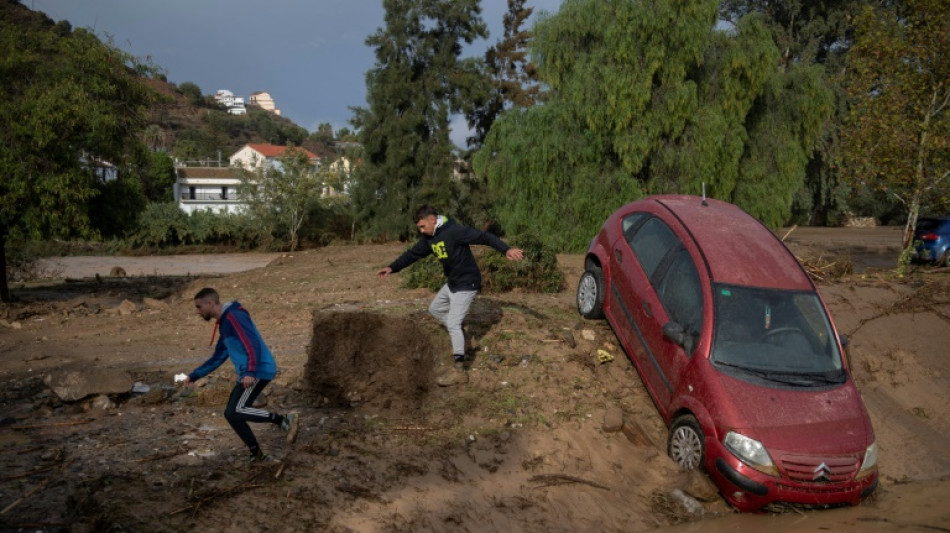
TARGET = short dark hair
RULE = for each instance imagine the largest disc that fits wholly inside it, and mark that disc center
(424, 211)
(208, 293)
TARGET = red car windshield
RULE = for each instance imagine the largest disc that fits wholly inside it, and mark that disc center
(769, 332)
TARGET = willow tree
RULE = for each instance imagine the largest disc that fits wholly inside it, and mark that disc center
(418, 81)
(898, 134)
(69, 100)
(812, 33)
(650, 98)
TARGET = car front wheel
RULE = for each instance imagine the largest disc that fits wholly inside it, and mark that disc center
(590, 293)
(686, 445)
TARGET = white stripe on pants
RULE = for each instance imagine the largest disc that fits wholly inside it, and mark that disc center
(450, 309)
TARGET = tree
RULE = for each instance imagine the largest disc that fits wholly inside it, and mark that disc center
(417, 82)
(649, 97)
(812, 33)
(898, 133)
(158, 177)
(69, 100)
(192, 92)
(324, 133)
(514, 81)
(280, 195)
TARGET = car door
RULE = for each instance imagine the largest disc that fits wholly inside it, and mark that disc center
(637, 257)
(679, 290)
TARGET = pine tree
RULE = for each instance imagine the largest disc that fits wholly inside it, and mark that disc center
(514, 81)
(418, 81)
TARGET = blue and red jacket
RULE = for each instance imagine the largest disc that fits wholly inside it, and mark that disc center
(242, 343)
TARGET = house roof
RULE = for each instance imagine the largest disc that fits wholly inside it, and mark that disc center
(271, 150)
(206, 172)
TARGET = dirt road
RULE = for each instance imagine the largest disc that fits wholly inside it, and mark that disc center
(521, 447)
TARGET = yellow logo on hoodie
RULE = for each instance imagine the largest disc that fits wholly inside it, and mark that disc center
(439, 250)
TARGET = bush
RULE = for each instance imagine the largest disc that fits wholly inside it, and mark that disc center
(538, 272)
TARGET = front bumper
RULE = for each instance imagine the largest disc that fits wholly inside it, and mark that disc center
(747, 489)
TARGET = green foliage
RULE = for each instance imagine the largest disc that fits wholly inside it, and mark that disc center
(649, 98)
(417, 82)
(158, 177)
(812, 33)
(898, 134)
(537, 272)
(192, 92)
(115, 211)
(68, 98)
(164, 225)
(279, 196)
(513, 78)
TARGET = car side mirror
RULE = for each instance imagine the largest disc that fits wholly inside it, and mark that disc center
(674, 332)
(843, 339)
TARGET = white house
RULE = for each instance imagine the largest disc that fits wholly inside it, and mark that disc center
(235, 104)
(208, 188)
(255, 156)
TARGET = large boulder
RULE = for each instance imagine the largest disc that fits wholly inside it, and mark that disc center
(75, 384)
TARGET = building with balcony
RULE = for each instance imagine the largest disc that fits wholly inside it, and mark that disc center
(208, 189)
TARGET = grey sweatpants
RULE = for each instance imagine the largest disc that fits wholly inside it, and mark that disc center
(450, 309)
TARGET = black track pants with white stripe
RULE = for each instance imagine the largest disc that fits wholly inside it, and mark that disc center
(239, 411)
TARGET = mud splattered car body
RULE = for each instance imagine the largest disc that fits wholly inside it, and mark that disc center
(736, 348)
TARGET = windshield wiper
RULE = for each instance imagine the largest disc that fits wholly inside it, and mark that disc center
(798, 379)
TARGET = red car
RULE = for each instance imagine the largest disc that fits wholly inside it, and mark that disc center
(737, 349)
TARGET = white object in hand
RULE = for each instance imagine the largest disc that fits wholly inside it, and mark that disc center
(180, 377)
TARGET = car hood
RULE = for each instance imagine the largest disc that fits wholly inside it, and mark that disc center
(808, 421)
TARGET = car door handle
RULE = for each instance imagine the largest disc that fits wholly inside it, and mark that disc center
(618, 255)
(647, 309)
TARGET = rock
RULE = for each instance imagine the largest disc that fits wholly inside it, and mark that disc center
(613, 420)
(699, 486)
(117, 272)
(152, 303)
(126, 308)
(688, 503)
(140, 388)
(102, 402)
(569, 338)
(74, 385)
(635, 434)
(588, 334)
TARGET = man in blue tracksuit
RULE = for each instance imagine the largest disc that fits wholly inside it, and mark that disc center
(450, 242)
(253, 362)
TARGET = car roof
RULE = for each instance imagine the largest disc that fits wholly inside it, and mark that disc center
(738, 249)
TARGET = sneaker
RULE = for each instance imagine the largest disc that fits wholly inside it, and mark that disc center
(453, 375)
(259, 458)
(291, 424)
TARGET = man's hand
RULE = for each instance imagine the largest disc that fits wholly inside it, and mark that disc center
(514, 254)
(384, 272)
(247, 381)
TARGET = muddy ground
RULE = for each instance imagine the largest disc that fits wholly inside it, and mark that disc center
(524, 446)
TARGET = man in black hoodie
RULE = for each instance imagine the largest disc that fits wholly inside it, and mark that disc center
(450, 242)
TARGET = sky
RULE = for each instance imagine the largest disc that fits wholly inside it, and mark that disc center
(310, 55)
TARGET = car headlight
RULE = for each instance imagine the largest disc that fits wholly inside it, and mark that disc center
(750, 452)
(870, 461)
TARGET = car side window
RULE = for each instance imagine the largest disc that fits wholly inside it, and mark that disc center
(651, 242)
(681, 294)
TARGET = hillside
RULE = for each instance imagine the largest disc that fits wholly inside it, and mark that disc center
(199, 130)
(189, 128)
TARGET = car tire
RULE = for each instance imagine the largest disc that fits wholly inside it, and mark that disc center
(590, 293)
(687, 444)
